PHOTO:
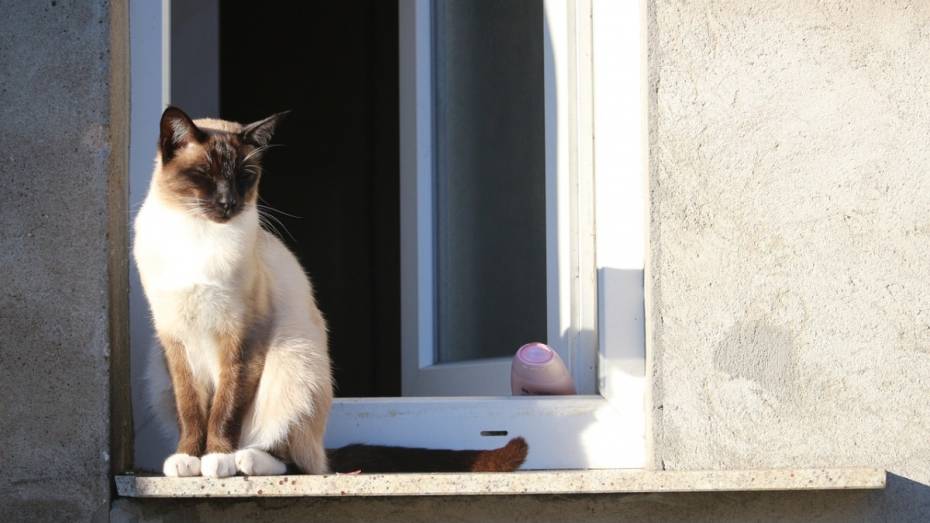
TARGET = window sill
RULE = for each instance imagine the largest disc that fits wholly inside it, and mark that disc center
(524, 482)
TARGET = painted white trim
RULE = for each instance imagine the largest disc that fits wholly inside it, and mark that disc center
(149, 63)
(564, 432)
(572, 301)
(620, 152)
(416, 191)
(621, 126)
(488, 377)
(558, 223)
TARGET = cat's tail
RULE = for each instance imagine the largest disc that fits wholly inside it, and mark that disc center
(378, 458)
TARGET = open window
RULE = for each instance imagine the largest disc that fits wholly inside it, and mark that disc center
(453, 204)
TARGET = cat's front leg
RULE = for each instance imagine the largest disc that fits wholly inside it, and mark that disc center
(192, 417)
(235, 390)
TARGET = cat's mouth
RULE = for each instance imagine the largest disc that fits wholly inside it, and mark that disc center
(220, 215)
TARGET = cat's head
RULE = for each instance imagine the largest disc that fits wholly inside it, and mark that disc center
(211, 168)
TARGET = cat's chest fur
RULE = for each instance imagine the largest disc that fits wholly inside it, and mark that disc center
(195, 274)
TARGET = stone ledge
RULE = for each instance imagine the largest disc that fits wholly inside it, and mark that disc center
(524, 482)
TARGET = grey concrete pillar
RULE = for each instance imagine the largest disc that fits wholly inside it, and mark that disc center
(63, 263)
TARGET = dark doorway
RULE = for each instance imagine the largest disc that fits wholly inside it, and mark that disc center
(334, 64)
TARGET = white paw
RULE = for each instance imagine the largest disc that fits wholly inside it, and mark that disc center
(218, 465)
(181, 466)
(254, 462)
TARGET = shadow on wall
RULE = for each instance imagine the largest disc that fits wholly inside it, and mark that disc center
(762, 353)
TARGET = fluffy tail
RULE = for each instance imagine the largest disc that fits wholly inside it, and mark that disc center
(377, 458)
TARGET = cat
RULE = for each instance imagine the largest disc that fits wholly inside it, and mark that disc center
(244, 369)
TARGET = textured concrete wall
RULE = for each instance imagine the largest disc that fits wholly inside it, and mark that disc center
(640, 508)
(790, 261)
(61, 204)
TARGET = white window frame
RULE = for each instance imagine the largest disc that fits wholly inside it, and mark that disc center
(595, 247)
(595, 214)
(570, 272)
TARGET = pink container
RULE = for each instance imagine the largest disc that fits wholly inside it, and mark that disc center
(538, 370)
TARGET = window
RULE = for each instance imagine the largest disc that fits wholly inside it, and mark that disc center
(473, 221)
(485, 280)
(580, 226)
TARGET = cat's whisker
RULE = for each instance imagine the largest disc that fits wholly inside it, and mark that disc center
(270, 227)
(260, 150)
(253, 170)
(190, 206)
(272, 209)
(279, 222)
(267, 206)
(253, 153)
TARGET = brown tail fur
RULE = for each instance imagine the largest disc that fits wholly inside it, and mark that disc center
(377, 458)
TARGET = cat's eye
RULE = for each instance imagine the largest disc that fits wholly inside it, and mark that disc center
(245, 180)
(247, 174)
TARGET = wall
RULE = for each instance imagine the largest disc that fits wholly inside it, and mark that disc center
(62, 232)
(790, 303)
(641, 508)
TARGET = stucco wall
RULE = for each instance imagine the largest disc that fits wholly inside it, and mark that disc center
(641, 508)
(790, 297)
(61, 210)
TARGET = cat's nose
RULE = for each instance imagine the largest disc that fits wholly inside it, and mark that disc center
(226, 204)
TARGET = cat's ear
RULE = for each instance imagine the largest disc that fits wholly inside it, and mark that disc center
(259, 133)
(177, 130)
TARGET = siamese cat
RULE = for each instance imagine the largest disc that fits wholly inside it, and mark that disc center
(244, 368)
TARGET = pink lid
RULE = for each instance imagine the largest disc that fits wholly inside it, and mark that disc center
(535, 353)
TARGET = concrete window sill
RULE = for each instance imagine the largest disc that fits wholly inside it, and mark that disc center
(523, 482)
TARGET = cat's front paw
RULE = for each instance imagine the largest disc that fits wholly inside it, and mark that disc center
(181, 466)
(218, 465)
(255, 462)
